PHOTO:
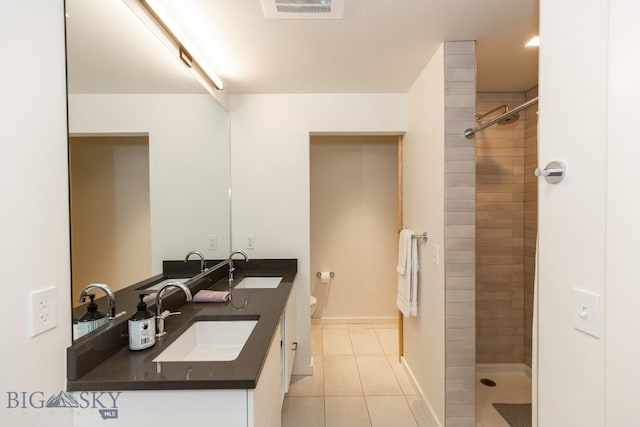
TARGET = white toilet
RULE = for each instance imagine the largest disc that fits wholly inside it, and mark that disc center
(314, 302)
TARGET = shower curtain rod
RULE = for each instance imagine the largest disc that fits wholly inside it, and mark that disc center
(470, 132)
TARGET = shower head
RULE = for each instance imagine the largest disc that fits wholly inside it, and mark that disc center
(504, 121)
(509, 119)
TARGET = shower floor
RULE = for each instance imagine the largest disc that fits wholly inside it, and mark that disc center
(513, 385)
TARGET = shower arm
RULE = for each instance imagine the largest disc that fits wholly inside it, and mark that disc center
(503, 107)
(470, 132)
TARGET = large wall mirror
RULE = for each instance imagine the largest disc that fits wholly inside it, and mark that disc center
(148, 152)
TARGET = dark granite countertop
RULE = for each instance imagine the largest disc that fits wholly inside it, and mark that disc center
(135, 370)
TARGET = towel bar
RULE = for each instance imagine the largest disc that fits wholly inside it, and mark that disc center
(424, 236)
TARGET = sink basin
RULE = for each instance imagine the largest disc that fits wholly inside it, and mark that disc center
(209, 341)
(259, 283)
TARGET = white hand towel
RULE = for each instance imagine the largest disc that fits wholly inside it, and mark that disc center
(406, 299)
(404, 250)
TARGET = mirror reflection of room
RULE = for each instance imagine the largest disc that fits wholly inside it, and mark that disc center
(148, 156)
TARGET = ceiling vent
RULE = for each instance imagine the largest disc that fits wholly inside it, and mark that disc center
(303, 9)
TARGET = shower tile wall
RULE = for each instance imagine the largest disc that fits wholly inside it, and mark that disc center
(500, 235)
(460, 100)
(530, 217)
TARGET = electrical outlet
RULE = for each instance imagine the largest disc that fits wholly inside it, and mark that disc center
(212, 240)
(251, 241)
(42, 307)
(436, 254)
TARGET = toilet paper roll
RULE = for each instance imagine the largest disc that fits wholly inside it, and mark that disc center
(325, 276)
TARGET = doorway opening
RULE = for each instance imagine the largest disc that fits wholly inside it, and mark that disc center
(355, 215)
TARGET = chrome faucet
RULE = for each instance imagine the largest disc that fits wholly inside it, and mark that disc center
(160, 315)
(110, 297)
(232, 268)
(202, 261)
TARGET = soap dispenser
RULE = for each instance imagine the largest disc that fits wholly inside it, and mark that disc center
(142, 327)
(92, 319)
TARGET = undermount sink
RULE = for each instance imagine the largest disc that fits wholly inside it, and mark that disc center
(259, 283)
(209, 341)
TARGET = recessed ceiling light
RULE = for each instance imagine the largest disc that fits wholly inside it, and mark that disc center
(535, 41)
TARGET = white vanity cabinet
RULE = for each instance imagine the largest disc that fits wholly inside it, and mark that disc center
(289, 339)
(161, 408)
(265, 401)
(259, 407)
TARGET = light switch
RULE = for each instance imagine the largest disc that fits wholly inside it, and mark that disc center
(586, 312)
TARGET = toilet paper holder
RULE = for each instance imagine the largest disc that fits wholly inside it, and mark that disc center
(331, 274)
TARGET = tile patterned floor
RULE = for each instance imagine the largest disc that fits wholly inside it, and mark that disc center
(357, 381)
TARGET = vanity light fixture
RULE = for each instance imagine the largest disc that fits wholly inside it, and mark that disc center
(159, 21)
(534, 42)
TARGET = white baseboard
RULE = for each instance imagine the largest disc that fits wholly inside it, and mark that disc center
(352, 320)
(433, 419)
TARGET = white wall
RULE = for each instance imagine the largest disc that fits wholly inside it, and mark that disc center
(34, 221)
(133, 223)
(572, 214)
(354, 223)
(589, 230)
(189, 164)
(424, 335)
(623, 216)
(270, 173)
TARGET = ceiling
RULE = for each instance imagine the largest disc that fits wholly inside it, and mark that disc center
(379, 46)
(110, 51)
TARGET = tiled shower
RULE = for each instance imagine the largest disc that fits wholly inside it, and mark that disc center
(490, 239)
(506, 205)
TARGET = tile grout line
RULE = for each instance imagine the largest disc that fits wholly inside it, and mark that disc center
(324, 391)
(355, 359)
(386, 358)
(398, 381)
(364, 396)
